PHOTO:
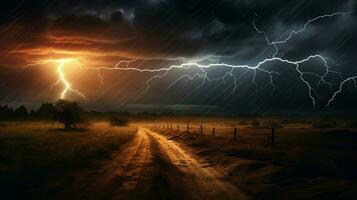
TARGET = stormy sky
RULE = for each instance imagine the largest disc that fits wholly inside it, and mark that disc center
(160, 33)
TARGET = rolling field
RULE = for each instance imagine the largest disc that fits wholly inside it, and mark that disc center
(150, 160)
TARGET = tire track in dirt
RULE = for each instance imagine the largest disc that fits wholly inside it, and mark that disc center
(138, 157)
(151, 167)
(116, 178)
(199, 181)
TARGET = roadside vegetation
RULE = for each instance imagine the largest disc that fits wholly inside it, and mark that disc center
(310, 154)
(37, 159)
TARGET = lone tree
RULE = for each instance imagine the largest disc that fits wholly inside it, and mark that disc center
(68, 113)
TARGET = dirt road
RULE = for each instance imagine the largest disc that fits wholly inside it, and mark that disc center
(152, 167)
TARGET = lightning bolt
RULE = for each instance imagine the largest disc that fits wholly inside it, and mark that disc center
(295, 32)
(202, 73)
(62, 79)
(353, 78)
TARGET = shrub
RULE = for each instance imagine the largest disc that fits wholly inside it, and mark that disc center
(119, 121)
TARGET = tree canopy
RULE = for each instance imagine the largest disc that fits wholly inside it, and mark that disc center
(68, 113)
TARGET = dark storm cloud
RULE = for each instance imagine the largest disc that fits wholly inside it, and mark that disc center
(182, 28)
(109, 30)
(191, 27)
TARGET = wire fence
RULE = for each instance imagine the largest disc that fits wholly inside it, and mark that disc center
(262, 135)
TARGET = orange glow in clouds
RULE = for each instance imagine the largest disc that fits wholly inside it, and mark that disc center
(67, 88)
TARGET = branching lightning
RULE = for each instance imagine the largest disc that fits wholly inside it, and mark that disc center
(202, 74)
(62, 79)
(295, 32)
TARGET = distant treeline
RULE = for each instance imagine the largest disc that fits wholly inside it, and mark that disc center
(7, 112)
(46, 112)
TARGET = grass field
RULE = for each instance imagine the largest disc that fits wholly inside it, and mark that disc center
(305, 163)
(38, 158)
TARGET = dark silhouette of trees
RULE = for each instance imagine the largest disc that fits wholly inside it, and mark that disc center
(8, 113)
(32, 112)
(68, 113)
(21, 112)
(46, 111)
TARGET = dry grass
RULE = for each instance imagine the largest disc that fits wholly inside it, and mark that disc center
(32, 154)
(306, 162)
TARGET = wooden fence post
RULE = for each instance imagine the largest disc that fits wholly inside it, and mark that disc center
(213, 131)
(235, 134)
(201, 130)
(188, 127)
(171, 127)
(272, 136)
